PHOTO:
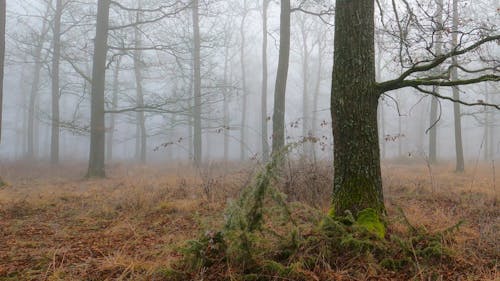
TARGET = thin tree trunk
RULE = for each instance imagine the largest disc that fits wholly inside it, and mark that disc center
(400, 134)
(197, 142)
(243, 129)
(263, 99)
(434, 101)
(141, 136)
(56, 57)
(305, 91)
(114, 105)
(32, 150)
(97, 125)
(487, 129)
(3, 14)
(357, 176)
(226, 101)
(433, 129)
(190, 122)
(281, 78)
(459, 150)
(316, 92)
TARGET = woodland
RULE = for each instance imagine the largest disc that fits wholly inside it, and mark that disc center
(249, 140)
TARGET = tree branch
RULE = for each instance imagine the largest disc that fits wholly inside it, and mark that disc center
(400, 82)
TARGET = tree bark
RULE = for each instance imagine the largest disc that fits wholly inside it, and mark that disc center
(357, 177)
(97, 125)
(281, 78)
(459, 150)
(56, 57)
(197, 142)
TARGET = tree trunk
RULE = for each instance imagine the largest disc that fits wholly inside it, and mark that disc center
(226, 99)
(316, 91)
(487, 126)
(141, 136)
(357, 177)
(400, 134)
(2, 56)
(197, 143)
(97, 125)
(243, 129)
(433, 129)
(56, 57)
(306, 108)
(35, 84)
(263, 99)
(114, 105)
(281, 78)
(459, 151)
(434, 101)
(381, 114)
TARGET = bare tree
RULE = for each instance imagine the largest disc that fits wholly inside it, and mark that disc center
(141, 134)
(3, 14)
(114, 106)
(244, 93)
(459, 150)
(281, 79)
(197, 143)
(35, 84)
(357, 177)
(56, 57)
(263, 99)
(97, 123)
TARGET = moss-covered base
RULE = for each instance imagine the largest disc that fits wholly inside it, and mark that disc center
(355, 195)
(351, 245)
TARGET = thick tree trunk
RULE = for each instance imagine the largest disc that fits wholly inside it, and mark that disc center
(56, 57)
(2, 56)
(97, 125)
(263, 98)
(281, 78)
(141, 136)
(197, 143)
(381, 114)
(357, 176)
(114, 105)
(459, 150)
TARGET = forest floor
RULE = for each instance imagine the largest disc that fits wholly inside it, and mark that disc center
(56, 225)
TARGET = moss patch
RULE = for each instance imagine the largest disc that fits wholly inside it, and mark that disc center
(370, 220)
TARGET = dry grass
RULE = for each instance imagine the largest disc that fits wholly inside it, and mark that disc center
(54, 225)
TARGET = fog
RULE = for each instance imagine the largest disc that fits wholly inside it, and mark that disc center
(165, 58)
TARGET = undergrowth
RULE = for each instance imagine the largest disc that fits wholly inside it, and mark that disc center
(266, 238)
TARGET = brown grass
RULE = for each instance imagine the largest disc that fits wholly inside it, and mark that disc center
(55, 225)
